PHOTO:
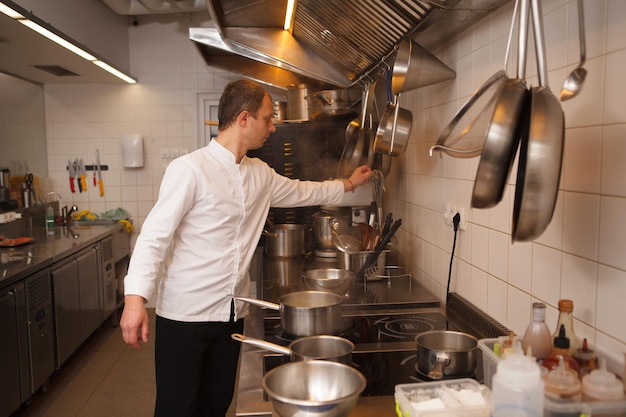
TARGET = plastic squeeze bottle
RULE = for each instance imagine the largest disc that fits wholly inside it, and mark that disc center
(562, 384)
(566, 318)
(602, 385)
(518, 390)
(561, 349)
(537, 334)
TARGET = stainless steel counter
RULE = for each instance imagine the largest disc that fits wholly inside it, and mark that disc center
(18, 262)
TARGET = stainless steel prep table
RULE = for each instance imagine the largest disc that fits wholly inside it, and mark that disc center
(46, 249)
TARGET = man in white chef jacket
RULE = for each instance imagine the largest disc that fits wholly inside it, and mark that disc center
(204, 228)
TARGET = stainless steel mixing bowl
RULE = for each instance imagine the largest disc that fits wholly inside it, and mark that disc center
(313, 389)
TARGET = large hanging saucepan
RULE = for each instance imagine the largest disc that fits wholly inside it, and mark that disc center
(306, 313)
(541, 152)
(308, 348)
(464, 136)
(506, 126)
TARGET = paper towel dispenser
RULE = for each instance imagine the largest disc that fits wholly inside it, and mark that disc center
(132, 150)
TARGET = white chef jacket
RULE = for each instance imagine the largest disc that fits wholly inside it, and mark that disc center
(204, 228)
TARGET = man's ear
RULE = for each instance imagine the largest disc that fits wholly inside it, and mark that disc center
(242, 118)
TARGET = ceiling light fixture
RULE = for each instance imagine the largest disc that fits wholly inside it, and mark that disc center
(67, 44)
(289, 14)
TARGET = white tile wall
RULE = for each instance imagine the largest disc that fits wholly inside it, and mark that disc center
(581, 255)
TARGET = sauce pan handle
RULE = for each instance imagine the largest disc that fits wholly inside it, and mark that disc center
(437, 371)
(263, 344)
(260, 303)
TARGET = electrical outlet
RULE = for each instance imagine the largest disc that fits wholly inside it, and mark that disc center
(165, 153)
(174, 153)
(448, 214)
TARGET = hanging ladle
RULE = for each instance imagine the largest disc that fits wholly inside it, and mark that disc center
(574, 81)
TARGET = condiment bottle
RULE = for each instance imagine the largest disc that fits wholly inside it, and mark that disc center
(562, 384)
(602, 385)
(561, 348)
(517, 386)
(586, 359)
(566, 318)
(537, 334)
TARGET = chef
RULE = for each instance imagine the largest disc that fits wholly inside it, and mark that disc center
(195, 248)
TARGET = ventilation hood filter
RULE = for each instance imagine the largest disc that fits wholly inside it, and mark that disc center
(332, 42)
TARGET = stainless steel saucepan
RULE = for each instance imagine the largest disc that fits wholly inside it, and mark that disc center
(306, 313)
(446, 353)
(319, 347)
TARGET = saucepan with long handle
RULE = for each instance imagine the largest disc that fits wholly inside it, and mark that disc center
(306, 313)
(308, 348)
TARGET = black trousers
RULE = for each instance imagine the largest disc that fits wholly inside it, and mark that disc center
(196, 366)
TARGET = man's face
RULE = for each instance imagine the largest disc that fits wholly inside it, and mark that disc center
(261, 126)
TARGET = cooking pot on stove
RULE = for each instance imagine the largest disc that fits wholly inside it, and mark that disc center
(323, 232)
(285, 240)
(319, 347)
(443, 353)
(306, 313)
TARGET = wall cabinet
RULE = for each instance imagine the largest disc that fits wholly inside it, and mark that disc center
(77, 307)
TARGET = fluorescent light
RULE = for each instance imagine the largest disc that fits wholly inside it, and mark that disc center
(21, 17)
(10, 12)
(289, 14)
(115, 72)
(57, 39)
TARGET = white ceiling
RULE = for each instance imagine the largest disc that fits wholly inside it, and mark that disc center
(21, 48)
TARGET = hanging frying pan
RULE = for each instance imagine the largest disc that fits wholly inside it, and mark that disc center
(464, 136)
(506, 126)
(541, 152)
(356, 149)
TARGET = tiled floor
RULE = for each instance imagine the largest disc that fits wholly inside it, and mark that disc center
(105, 378)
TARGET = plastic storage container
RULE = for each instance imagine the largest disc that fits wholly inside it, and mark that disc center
(452, 398)
(490, 358)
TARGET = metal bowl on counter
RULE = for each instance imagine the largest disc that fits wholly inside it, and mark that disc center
(313, 389)
(337, 281)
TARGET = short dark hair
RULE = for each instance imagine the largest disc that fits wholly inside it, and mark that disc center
(238, 96)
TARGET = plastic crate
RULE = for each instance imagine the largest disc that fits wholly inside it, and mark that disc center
(554, 408)
(451, 398)
(490, 359)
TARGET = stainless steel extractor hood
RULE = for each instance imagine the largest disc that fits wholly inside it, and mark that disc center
(332, 42)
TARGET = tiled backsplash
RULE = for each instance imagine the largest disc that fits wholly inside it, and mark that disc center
(580, 256)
